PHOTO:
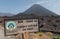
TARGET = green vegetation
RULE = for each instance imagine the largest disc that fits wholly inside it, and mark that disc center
(56, 37)
(49, 34)
(40, 33)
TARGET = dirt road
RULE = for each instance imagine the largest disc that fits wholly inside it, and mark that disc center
(5, 37)
(1, 33)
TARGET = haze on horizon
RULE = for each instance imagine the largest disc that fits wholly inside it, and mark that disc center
(16, 6)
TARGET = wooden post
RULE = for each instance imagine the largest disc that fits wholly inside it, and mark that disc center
(25, 35)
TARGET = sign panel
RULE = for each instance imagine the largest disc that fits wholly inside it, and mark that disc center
(21, 26)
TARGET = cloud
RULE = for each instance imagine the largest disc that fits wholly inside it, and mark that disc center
(51, 5)
(48, 2)
(28, 6)
(41, 2)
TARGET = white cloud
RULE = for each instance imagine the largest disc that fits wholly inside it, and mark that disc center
(41, 2)
(50, 2)
(28, 6)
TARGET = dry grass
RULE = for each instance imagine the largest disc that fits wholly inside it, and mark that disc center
(41, 36)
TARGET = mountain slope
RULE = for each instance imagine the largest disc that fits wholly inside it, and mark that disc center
(37, 10)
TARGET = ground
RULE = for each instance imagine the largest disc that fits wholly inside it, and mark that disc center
(1, 33)
(39, 35)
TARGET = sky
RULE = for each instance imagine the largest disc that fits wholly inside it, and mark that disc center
(17, 6)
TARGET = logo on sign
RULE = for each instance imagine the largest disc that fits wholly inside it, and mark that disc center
(11, 25)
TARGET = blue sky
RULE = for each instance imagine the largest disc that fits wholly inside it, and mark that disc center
(16, 6)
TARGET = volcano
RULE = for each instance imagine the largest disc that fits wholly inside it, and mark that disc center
(37, 10)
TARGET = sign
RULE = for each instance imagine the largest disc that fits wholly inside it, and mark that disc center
(20, 26)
